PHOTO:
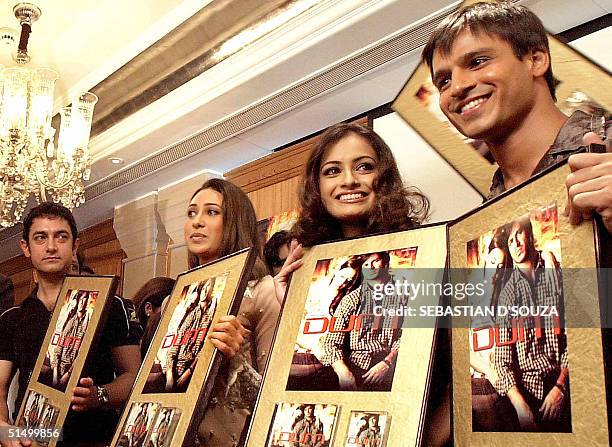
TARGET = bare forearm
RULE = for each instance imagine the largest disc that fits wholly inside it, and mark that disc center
(516, 398)
(340, 367)
(119, 389)
(126, 360)
(4, 411)
(523, 411)
(562, 379)
(391, 356)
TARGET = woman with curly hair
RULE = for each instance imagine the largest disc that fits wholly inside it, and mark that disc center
(344, 281)
(352, 188)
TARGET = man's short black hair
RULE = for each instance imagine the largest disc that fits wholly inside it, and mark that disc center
(515, 24)
(384, 256)
(276, 241)
(49, 209)
(524, 225)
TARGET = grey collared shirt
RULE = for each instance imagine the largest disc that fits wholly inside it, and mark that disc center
(568, 141)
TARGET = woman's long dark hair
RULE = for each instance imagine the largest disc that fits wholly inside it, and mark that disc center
(239, 224)
(503, 272)
(396, 207)
(355, 263)
(149, 333)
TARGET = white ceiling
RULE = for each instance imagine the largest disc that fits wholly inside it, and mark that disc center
(86, 41)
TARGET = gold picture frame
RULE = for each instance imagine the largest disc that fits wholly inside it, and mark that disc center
(405, 399)
(574, 249)
(83, 301)
(179, 369)
(575, 73)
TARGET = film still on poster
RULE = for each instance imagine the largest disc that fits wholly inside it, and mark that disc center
(519, 364)
(305, 424)
(367, 429)
(341, 345)
(164, 427)
(39, 415)
(149, 424)
(62, 351)
(178, 354)
(138, 425)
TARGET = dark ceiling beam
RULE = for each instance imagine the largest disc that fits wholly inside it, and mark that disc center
(181, 55)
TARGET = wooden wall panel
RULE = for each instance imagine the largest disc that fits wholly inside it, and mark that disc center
(106, 259)
(102, 252)
(274, 199)
(24, 283)
(20, 272)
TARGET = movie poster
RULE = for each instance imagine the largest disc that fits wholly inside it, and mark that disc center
(518, 351)
(75, 314)
(164, 427)
(367, 429)
(138, 425)
(308, 424)
(177, 356)
(341, 345)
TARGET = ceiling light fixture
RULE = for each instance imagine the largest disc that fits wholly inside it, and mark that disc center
(31, 163)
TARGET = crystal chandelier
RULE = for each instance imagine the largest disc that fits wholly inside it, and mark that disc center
(30, 161)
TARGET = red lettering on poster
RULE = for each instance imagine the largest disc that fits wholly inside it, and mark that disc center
(329, 324)
(305, 437)
(518, 327)
(190, 336)
(66, 341)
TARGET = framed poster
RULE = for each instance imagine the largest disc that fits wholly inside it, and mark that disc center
(528, 365)
(582, 84)
(76, 323)
(367, 429)
(177, 375)
(342, 343)
(303, 424)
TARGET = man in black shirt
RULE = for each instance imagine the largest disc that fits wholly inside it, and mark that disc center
(50, 240)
